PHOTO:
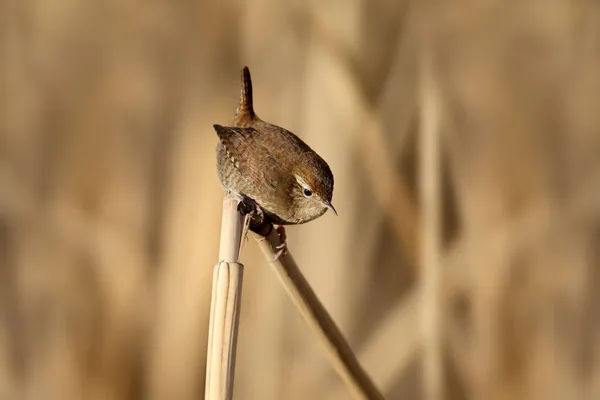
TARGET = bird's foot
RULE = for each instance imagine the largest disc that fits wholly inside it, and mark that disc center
(247, 206)
(249, 209)
(282, 246)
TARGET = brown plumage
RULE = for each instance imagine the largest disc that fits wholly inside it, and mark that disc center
(273, 167)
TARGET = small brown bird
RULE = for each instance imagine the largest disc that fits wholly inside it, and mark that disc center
(269, 165)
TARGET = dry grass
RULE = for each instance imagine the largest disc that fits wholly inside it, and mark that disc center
(110, 203)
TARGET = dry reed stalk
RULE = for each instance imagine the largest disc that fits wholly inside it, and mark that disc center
(225, 306)
(430, 279)
(316, 316)
(401, 321)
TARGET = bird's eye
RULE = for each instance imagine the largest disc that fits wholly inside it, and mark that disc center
(307, 192)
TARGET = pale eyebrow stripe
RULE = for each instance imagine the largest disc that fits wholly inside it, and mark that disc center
(300, 181)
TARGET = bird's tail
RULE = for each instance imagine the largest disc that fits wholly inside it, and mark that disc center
(245, 111)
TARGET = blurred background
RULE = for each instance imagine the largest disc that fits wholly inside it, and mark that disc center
(110, 204)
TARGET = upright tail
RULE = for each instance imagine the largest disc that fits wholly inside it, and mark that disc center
(245, 111)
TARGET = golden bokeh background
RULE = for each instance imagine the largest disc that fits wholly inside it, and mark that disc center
(110, 204)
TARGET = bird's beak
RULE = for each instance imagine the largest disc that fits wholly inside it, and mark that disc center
(330, 206)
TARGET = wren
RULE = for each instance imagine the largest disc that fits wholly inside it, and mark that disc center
(271, 167)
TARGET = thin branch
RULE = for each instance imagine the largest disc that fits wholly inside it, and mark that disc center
(316, 316)
(400, 322)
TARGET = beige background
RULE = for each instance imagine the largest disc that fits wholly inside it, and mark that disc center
(110, 203)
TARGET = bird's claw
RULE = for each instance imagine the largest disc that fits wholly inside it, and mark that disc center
(282, 246)
(246, 206)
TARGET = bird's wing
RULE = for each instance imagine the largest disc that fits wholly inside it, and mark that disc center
(250, 156)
